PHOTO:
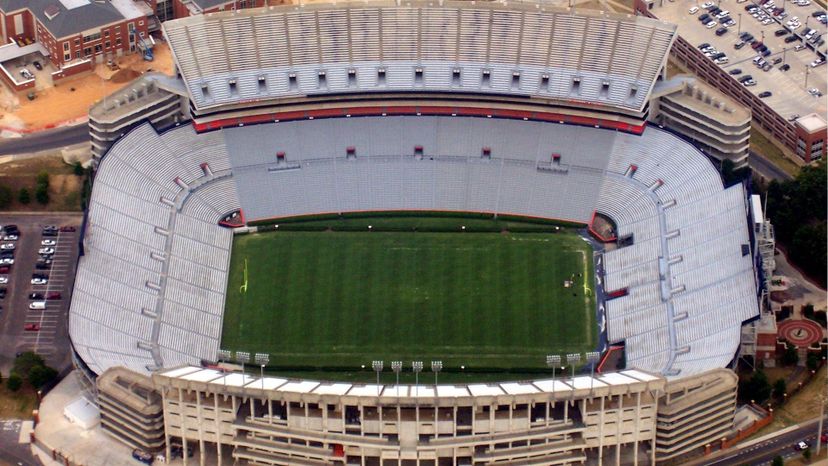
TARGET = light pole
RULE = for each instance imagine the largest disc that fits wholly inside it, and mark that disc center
(261, 375)
(572, 359)
(592, 358)
(807, 72)
(417, 367)
(377, 366)
(396, 366)
(436, 367)
(739, 30)
(553, 361)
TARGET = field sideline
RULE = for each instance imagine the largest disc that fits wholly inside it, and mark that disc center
(337, 300)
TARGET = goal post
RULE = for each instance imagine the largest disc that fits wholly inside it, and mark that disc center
(243, 288)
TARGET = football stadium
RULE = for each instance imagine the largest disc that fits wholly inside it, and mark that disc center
(412, 234)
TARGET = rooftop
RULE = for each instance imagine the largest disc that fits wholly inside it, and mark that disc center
(68, 17)
(697, 95)
(812, 123)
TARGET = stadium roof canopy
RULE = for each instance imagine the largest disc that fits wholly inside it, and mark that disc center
(521, 49)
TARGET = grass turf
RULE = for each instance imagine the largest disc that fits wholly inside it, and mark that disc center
(333, 301)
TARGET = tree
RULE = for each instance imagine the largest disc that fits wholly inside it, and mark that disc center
(756, 388)
(42, 194)
(41, 375)
(807, 453)
(812, 363)
(779, 388)
(14, 382)
(24, 363)
(5, 197)
(24, 196)
(43, 179)
(791, 356)
(78, 169)
(778, 461)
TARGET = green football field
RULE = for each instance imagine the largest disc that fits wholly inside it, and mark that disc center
(338, 300)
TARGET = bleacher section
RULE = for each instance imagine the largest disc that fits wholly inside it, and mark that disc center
(689, 286)
(150, 287)
(523, 49)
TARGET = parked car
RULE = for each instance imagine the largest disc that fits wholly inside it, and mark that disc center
(142, 456)
(790, 39)
(7, 246)
(11, 237)
(693, 10)
(785, 67)
(46, 251)
(765, 94)
(735, 71)
(53, 295)
(6, 261)
(35, 295)
(721, 31)
(5, 269)
(801, 446)
(711, 24)
(31, 327)
(39, 281)
(48, 242)
(37, 305)
(780, 32)
(3, 279)
(817, 62)
(37, 65)
(67, 228)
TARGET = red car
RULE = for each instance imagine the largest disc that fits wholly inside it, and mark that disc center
(67, 228)
(53, 295)
(5, 269)
(32, 327)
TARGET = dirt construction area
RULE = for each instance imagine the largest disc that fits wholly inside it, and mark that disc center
(71, 98)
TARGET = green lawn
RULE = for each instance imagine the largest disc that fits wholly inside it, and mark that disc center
(332, 301)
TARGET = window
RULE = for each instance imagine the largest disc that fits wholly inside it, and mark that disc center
(98, 48)
(117, 41)
(455, 77)
(262, 83)
(66, 46)
(87, 51)
(321, 79)
(107, 45)
(633, 92)
(604, 88)
(544, 81)
(77, 54)
(141, 23)
(233, 89)
(205, 91)
(92, 37)
(106, 33)
(515, 79)
(77, 41)
(292, 83)
(67, 57)
(381, 76)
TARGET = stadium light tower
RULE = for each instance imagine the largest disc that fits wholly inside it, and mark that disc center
(262, 359)
(417, 367)
(572, 359)
(377, 366)
(436, 367)
(592, 358)
(224, 355)
(396, 366)
(553, 361)
(242, 357)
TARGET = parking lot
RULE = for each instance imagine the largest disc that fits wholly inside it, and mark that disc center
(42, 330)
(789, 88)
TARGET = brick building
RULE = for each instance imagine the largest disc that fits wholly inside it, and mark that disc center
(811, 132)
(71, 30)
(184, 8)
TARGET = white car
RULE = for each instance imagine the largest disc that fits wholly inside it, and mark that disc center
(7, 247)
(817, 62)
(711, 25)
(10, 238)
(6, 261)
(707, 4)
(48, 242)
(39, 281)
(4, 279)
(46, 251)
(693, 10)
(801, 446)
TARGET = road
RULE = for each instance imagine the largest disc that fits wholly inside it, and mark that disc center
(43, 140)
(764, 452)
(764, 167)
